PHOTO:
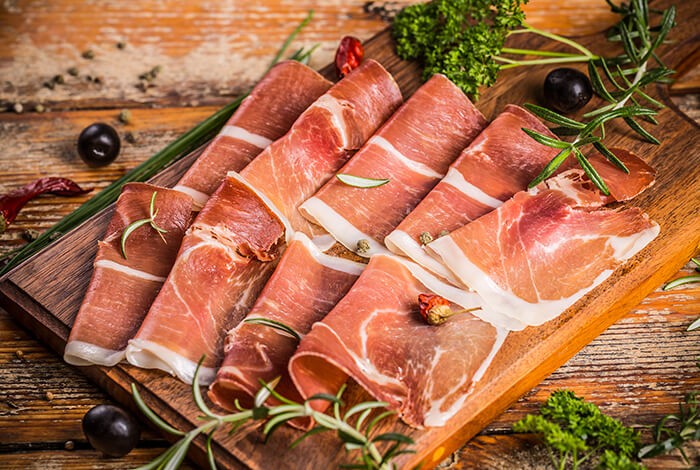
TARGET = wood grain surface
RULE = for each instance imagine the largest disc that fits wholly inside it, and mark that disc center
(637, 370)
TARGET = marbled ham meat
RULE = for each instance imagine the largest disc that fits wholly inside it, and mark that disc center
(223, 262)
(303, 289)
(121, 289)
(544, 249)
(294, 167)
(501, 161)
(376, 335)
(263, 117)
(413, 149)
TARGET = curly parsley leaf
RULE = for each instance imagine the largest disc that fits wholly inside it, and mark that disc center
(458, 38)
(576, 431)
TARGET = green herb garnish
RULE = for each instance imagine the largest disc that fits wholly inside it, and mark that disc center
(355, 427)
(274, 324)
(577, 432)
(457, 38)
(626, 74)
(687, 280)
(360, 181)
(151, 220)
(183, 145)
(675, 430)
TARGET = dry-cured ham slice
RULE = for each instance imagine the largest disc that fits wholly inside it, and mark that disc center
(544, 249)
(108, 318)
(501, 161)
(303, 289)
(223, 262)
(263, 117)
(294, 167)
(376, 335)
(413, 150)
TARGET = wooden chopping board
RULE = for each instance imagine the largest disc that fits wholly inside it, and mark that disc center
(45, 292)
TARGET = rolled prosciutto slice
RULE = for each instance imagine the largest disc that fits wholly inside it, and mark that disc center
(377, 336)
(294, 167)
(501, 161)
(263, 117)
(108, 317)
(223, 262)
(413, 150)
(544, 249)
(303, 289)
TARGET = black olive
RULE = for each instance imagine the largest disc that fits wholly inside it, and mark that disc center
(98, 144)
(567, 90)
(111, 430)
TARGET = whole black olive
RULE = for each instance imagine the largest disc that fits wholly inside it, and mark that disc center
(567, 90)
(111, 430)
(98, 144)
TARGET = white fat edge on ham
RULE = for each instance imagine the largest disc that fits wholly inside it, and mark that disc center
(199, 199)
(402, 243)
(322, 214)
(246, 136)
(323, 241)
(126, 270)
(414, 166)
(150, 355)
(501, 301)
(289, 231)
(332, 262)
(456, 179)
(334, 107)
(80, 353)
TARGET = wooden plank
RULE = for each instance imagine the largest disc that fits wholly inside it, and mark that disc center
(595, 312)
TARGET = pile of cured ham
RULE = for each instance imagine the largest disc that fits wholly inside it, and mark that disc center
(246, 228)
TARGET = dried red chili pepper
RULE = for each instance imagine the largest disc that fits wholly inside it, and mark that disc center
(435, 310)
(12, 202)
(349, 55)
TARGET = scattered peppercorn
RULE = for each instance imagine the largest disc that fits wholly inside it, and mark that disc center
(130, 137)
(39, 108)
(50, 85)
(30, 234)
(20, 354)
(58, 79)
(18, 108)
(73, 71)
(362, 247)
(69, 445)
(49, 396)
(125, 116)
(88, 54)
(425, 238)
(151, 74)
(121, 45)
(443, 233)
(385, 10)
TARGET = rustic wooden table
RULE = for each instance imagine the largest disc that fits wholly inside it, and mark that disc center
(208, 53)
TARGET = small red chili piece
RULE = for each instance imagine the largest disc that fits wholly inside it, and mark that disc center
(349, 55)
(12, 202)
(433, 308)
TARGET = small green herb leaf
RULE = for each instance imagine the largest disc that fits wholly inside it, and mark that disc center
(277, 325)
(360, 181)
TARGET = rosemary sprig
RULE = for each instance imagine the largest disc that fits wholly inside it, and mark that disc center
(639, 41)
(675, 430)
(687, 280)
(274, 324)
(183, 145)
(357, 435)
(151, 220)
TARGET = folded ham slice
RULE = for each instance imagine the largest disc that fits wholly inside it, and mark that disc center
(544, 249)
(376, 335)
(264, 116)
(501, 161)
(108, 317)
(223, 262)
(303, 289)
(323, 138)
(221, 266)
(413, 150)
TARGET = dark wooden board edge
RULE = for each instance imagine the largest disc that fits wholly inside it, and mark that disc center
(116, 381)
